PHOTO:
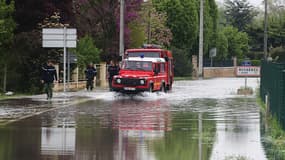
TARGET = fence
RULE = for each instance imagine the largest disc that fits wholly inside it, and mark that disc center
(78, 80)
(272, 89)
(216, 63)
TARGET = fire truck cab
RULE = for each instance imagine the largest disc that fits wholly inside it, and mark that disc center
(140, 74)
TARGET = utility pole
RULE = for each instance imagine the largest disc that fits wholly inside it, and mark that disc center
(122, 25)
(265, 29)
(149, 4)
(201, 39)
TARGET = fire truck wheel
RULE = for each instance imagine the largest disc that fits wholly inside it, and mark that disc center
(163, 88)
(150, 88)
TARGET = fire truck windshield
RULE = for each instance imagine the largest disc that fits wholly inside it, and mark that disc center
(137, 65)
(145, 54)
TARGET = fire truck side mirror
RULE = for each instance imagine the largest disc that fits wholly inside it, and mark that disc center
(156, 71)
(166, 59)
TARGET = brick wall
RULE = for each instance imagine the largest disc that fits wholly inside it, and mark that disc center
(212, 72)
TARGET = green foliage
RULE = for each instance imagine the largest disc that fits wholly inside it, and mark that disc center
(256, 62)
(222, 45)
(7, 27)
(7, 24)
(183, 66)
(182, 19)
(237, 42)
(159, 32)
(210, 25)
(87, 51)
(137, 36)
(239, 13)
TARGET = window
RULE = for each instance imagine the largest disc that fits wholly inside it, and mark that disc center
(145, 54)
(137, 65)
(162, 68)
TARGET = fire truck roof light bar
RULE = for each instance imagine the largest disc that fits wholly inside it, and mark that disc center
(151, 46)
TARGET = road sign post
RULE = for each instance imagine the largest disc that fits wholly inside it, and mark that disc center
(60, 38)
(212, 54)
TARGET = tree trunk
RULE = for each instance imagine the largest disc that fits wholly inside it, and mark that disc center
(5, 78)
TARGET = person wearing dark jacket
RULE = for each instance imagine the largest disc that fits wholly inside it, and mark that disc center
(113, 70)
(90, 73)
(49, 75)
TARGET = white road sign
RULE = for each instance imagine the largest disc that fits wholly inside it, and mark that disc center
(59, 37)
(59, 44)
(248, 71)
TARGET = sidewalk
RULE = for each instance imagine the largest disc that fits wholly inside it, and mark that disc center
(21, 107)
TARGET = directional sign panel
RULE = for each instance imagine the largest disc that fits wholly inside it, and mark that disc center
(248, 71)
(59, 44)
(59, 37)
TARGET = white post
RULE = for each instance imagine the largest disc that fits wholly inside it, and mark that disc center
(122, 21)
(68, 70)
(201, 38)
(64, 61)
(245, 85)
(77, 77)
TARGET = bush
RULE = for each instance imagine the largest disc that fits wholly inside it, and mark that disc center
(182, 64)
(256, 62)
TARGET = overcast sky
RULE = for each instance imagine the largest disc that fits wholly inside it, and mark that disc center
(256, 3)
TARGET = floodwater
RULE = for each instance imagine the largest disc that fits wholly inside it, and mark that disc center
(198, 120)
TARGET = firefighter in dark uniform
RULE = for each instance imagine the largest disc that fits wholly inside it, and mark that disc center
(48, 77)
(90, 73)
(113, 70)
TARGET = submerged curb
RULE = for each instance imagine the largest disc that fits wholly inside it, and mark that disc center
(4, 123)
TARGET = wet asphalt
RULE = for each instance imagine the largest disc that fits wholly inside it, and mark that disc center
(198, 120)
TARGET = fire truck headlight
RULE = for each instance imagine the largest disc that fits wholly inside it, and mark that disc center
(142, 82)
(118, 80)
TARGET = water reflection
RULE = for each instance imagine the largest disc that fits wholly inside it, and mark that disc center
(139, 123)
(124, 129)
(57, 141)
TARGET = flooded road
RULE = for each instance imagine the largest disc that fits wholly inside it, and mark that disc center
(198, 120)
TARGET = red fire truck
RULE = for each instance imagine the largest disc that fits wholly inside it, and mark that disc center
(146, 69)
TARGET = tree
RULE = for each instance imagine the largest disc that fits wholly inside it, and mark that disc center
(100, 19)
(7, 26)
(182, 19)
(87, 52)
(183, 66)
(210, 25)
(34, 11)
(137, 34)
(222, 46)
(155, 25)
(239, 13)
(235, 43)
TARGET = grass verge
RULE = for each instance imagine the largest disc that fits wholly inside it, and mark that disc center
(3, 97)
(274, 137)
(182, 78)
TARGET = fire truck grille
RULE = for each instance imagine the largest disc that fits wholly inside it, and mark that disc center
(131, 82)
